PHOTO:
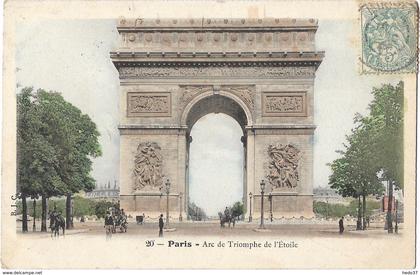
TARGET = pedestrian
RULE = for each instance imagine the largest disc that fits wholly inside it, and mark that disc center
(109, 224)
(368, 220)
(341, 225)
(143, 220)
(161, 225)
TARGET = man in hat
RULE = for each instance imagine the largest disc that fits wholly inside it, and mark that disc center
(109, 224)
(161, 225)
(341, 225)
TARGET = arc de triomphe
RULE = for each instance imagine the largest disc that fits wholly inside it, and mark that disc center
(259, 71)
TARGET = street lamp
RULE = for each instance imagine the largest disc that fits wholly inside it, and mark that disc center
(270, 198)
(180, 206)
(168, 188)
(262, 185)
(250, 207)
(396, 216)
(72, 212)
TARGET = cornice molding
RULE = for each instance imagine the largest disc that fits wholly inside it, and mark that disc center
(224, 24)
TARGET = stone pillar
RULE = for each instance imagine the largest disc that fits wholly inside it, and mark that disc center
(181, 186)
(250, 177)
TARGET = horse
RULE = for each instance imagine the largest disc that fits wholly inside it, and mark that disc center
(57, 221)
(226, 219)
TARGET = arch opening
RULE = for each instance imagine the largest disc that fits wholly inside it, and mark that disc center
(216, 155)
(216, 164)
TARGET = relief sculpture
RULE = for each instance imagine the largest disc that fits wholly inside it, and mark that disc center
(194, 72)
(283, 166)
(189, 92)
(284, 104)
(148, 104)
(246, 93)
(147, 166)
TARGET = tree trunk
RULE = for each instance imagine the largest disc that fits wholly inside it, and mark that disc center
(24, 214)
(44, 214)
(389, 213)
(69, 223)
(34, 212)
(359, 216)
(364, 212)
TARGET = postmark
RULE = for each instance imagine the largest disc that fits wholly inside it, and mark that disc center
(389, 37)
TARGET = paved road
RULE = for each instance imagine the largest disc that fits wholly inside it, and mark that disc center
(317, 245)
(241, 229)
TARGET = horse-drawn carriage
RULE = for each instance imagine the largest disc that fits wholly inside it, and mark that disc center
(120, 220)
(227, 217)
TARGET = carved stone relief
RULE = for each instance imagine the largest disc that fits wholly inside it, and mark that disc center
(246, 93)
(283, 166)
(211, 72)
(284, 104)
(147, 166)
(148, 104)
(189, 92)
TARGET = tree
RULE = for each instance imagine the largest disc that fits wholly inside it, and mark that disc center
(102, 207)
(387, 109)
(238, 209)
(75, 140)
(55, 145)
(195, 212)
(36, 156)
(374, 146)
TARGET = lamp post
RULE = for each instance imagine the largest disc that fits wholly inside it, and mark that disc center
(180, 206)
(262, 185)
(168, 188)
(72, 212)
(250, 207)
(270, 198)
(396, 216)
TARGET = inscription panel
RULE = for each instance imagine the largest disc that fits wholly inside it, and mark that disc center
(141, 104)
(284, 104)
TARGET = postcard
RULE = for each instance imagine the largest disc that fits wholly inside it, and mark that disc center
(209, 134)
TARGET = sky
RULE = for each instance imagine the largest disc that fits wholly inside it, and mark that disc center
(72, 57)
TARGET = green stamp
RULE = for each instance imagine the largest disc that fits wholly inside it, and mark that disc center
(389, 38)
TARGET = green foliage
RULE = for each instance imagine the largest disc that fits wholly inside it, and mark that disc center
(339, 210)
(55, 145)
(59, 204)
(102, 206)
(238, 209)
(196, 213)
(374, 147)
(37, 158)
(330, 210)
(387, 109)
(370, 207)
(82, 206)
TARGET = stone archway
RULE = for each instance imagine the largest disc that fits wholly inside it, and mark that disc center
(259, 71)
(217, 102)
